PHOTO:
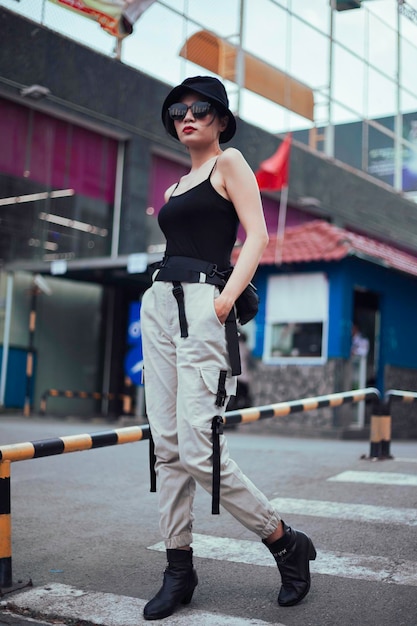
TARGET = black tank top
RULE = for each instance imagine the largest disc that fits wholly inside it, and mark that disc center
(201, 224)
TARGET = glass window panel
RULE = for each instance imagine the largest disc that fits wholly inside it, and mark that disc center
(207, 13)
(297, 340)
(408, 66)
(269, 116)
(297, 297)
(410, 152)
(382, 96)
(408, 101)
(160, 25)
(381, 155)
(296, 318)
(271, 47)
(348, 81)
(316, 13)
(382, 47)
(350, 29)
(309, 55)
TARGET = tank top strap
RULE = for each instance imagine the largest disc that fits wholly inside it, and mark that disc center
(212, 169)
(173, 191)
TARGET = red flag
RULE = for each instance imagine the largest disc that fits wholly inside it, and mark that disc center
(273, 173)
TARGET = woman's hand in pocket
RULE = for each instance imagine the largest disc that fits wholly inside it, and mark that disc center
(222, 306)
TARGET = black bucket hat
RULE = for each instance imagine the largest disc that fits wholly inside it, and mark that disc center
(209, 87)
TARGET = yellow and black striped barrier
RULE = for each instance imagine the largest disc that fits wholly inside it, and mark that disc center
(5, 526)
(407, 397)
(380, 439)
(126, 398)
(76, 443)
(72, 443)
(381, 423)
(281, 409)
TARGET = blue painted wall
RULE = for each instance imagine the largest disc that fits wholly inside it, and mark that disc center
(398, 308)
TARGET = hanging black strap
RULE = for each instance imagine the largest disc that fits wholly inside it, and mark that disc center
(217, 428)
(178, 292)
(152, 461)
(232, 339)
(221, 388)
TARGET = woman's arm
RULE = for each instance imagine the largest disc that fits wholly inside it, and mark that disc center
(239, 183)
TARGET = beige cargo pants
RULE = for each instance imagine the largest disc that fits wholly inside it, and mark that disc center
(181, 379)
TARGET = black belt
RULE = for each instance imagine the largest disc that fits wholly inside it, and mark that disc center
(188, 270)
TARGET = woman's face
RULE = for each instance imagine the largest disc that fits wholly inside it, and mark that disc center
(196, 130)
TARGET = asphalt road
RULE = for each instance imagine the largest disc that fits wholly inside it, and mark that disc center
(87, 521)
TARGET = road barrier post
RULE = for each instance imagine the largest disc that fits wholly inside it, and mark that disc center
(5, 527)
(380, 432)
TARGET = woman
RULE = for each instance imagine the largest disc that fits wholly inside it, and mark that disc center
(189, 349)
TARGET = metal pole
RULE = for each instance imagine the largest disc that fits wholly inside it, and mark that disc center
(281, 225)
(6, 338)
(398, 146)
(365, 97)
(30, 355)
(43, 12)
(117, 200)
(118, 49)
(240, 58)
(110, 296)
(329, 131)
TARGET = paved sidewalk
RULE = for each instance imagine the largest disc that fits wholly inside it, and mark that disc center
(11, 619)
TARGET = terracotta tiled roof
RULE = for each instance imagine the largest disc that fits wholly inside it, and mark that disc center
(320, 241)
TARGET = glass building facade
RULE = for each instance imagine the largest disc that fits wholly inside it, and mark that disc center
(57, 184)
(358, 58)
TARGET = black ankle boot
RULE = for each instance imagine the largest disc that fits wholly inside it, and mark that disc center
(180, 580)
(292, 552)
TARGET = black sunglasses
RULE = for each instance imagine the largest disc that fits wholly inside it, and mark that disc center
(179, 110)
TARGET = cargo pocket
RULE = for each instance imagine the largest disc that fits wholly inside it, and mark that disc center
(211, 379)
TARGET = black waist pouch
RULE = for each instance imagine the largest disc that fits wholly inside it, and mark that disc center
(247, 304)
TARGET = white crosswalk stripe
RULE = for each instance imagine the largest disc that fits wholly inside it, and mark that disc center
(344, 565)
(376, 478)
(342, 510)
(111, 609)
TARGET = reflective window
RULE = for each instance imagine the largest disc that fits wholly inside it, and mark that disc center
(296, 318)
(57, 183)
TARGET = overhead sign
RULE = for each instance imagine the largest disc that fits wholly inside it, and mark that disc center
(217, 55)
(114, 16)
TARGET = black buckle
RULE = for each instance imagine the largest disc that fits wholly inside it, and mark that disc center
(213, 272)
(177, 290)
(217, 425)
